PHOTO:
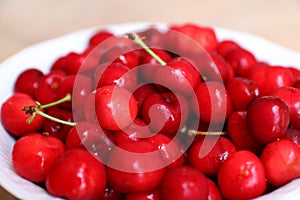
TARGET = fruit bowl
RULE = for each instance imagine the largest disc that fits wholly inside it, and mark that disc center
(43, 55)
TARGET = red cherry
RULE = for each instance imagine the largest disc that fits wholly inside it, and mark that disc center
(152, 195)
(42, 151)
(77, 175)
(291, 97)
(217, 151)
(110, 194)
(167, 112)
(224, 69)
(242, 91)
(226, 46)
(115, 107)
(152, 37)
(46, 92)
(13, 117)
(267, 119)
(212, 102)
(293, 135)
(241, 60)
(184, 182)
(99, 37)
(281, 161)
(115, 74)
(132, 170)
(179, 76)
(142, 92)
(213, 192)
(239, 133)
(242, 176)
(28, 81)
(73, 62)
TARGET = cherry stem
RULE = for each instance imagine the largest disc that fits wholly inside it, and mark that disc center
(36, 110)
(212, 133)
(134, 37)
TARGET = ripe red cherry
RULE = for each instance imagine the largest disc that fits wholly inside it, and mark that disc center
(212, 102)
(142, 92)
(267, 119)
(152, 195)
(99, 37)
(226, 46)
(239, 133)
(179, 76)
(132, 169)
(242, 91)
(242, 176)
(218, 150)
(166, 112)
(152, 37)
(224, 69)
(77, 175)
(46, 92)
(28, 81)
(55, 129)
(13, 117)
(73, 62)
(241, 60)
(281, 161)
(213, 192)
(184, 182)
(291, 96)
(115, 74)
(115, 107)
(293, 135)
(42, 152)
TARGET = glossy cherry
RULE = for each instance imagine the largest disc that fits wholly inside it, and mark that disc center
(226, 46)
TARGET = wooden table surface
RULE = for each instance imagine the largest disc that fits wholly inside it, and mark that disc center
(23, 23)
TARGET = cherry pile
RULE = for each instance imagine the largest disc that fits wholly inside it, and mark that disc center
(174, 114)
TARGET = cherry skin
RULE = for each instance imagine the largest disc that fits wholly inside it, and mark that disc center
(152, 195)
(212, 102)
(152, 37)
(291, 96)
(281, 161)
(241, 60)
(239, 133)
(165, 112)
(213, 192)
(242, 176)
(98, 37)
(46, 92)
(293, 135)
(42, 151)
(219, 150)
(226, 46)
(77, 175)
(184, 182)
(242, 91)
(115, 74)
(128, 173)
(110, 194)
(267, 119)
(55, 129)
(142, 92)
(115, 107)
(179, 75)
(13, 117)
(224, 69)
(28, 81)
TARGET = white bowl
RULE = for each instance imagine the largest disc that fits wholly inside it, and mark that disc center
(42, 55)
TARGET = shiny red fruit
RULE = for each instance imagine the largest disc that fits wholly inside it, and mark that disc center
(34, 154)
(77, 175)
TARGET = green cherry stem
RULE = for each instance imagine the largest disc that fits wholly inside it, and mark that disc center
(208, 133)
(135, 38)
(68, 97)
(39, 112)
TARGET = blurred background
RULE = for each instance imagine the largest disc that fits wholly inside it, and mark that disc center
(23, 23)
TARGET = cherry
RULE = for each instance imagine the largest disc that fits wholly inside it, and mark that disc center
(291, 97)
(281, 161)
(179, 76)
(242, 176)
(269, 78)
(187, 38)
(167, 112)
(241, 60)
(224, 69)
(77, 175)
(56, 129)
(212, 102)
(115, 74)
(153, 37)
(133, 170)
(242, 91)
(42, 152)
(213, 191)
(14, 118)
(73, 62)
(142, 92)
(98, 37)
(239, 133)
(218, 150)
(267, 119)
(115, 107)
(46, 92)
(110, 194)
(226, 46)
(184, 182)
(28, 81)
(293, 135)
(152, 195)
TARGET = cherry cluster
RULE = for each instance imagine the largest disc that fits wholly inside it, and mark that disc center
(174, 114)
